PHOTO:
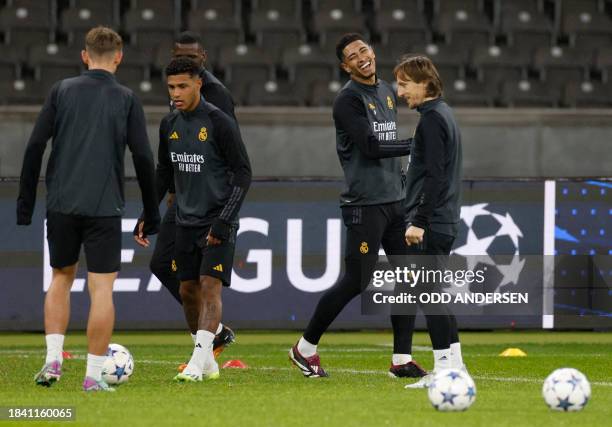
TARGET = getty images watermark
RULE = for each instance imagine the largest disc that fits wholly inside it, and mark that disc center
(466, 285)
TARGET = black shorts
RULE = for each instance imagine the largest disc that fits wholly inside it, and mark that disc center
(194, 258)
(100, 236)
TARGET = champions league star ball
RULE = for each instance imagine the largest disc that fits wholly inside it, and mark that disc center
(452, 390)
(566, 389)
(119, 365)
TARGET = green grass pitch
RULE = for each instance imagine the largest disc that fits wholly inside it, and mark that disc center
(273, 393)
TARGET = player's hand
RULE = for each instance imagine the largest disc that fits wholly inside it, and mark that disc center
(414, 235)
(140, 238)
(170, 199)
(211, 240)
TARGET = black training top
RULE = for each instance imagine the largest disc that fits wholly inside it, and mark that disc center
(367, 145)
(434, 173)
(203, 159)
(91, 119)
(215, 93)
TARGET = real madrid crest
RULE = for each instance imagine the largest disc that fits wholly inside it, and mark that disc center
(389, 103)
(364, 248)
(203, 135)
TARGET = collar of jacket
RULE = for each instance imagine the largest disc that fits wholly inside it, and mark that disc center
(368, 87)
(429, 105)
(193, 112)
(97, 72)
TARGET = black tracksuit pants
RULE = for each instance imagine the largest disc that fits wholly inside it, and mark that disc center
(368, 228)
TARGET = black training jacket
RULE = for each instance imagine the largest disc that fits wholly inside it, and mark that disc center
(91, 119)
(433, 183)
(203, 160)
(367, 144)
(214, 92)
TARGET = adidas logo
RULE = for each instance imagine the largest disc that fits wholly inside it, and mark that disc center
(218, 268)
(443, 358)
(174, 135)
(198, 345)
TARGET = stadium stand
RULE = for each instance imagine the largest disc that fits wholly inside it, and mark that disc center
(469, 93)
(81, 15)
(150, 23)
(272, 93)
(307, 64)
(245, 64)
(586, 24)
(495, 64)
(463, 22)
(334, 18)
(323, 93)
(603, 63)
(277, 25)
(558, 65)
(218, 21)
(524, 24)
(528, 93)
(401, 24)
(27, 22)
(587, 94)
(450, 59)
(52, 62)
(482, 45)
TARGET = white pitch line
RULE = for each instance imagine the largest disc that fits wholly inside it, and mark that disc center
(357, 371)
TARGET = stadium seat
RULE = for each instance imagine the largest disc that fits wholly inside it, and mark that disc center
(529, 93)
(10, 65)
(387, 57)
(586, 24)
(150, 92)
(52, 62)
(219, 23)
(603, 63)
(468, 93)
(135, 66)
(272, 93)
(329, 5)
(333, 19)
(558, 65)
(26, 22)
(450, 60)
(22, 92)
(463, 22)
(152, 22)
(277, 25)
(323, 93)
(307, 63)
(525, 24)
(401, 24)
(82, 15)
(245, 64)
(587, 95)
(494, 64)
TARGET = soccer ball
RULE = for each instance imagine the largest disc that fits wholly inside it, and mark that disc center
(119, 365)
(452, 390)
(566, 389)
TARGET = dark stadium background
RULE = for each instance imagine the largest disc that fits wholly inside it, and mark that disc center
(530, 81)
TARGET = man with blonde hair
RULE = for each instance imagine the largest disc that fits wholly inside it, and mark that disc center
(91, 119)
